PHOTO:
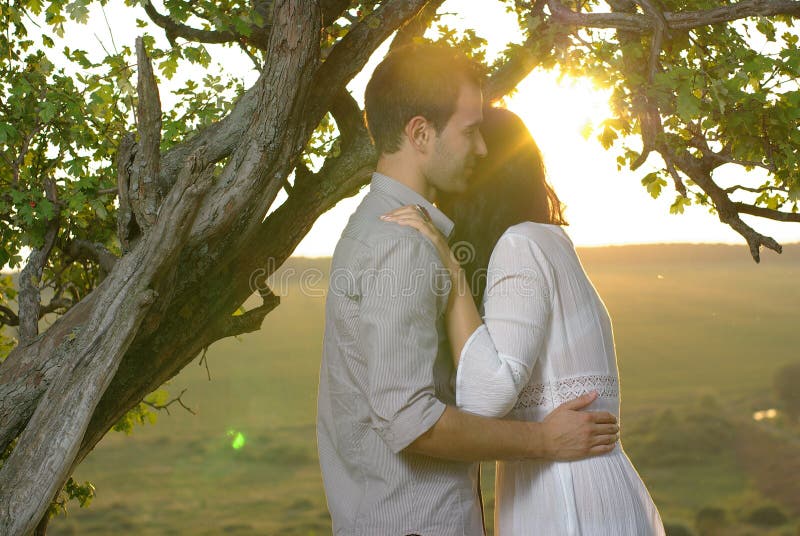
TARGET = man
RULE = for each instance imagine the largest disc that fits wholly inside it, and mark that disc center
(397, 456)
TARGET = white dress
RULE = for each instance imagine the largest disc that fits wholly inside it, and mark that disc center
(546, 339)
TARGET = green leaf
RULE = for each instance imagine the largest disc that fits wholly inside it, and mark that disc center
(654, 183)
(47, 111)
(607, 137)
(680, 203)
(78, 11)
(35, 6)
(100, 209)
(7, 133)
(169, 66)
(774, 202)
(46, 208)
(688, 106)
(794, 192)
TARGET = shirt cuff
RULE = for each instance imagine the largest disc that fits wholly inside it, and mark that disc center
(412, 423)
(481, 330)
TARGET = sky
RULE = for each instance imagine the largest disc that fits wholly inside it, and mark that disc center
(604, 206)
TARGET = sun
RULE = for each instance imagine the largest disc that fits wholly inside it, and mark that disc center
(561, 113)
(565, 116)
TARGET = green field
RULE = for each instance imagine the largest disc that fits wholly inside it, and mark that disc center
(700, 332)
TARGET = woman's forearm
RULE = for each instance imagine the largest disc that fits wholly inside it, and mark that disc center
(462, 315)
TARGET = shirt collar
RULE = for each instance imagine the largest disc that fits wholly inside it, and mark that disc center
(406, 196)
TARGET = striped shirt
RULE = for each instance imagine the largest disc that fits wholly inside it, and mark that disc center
(385, 378)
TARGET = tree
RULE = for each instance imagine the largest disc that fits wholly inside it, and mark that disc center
(146, 224)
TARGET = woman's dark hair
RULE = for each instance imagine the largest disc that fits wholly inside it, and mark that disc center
(508, 187)
(415, 79)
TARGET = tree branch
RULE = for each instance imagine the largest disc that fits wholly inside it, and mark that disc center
(174, 29)
(727, 210)
(724, 157)
(256, 62)
(339, 177)
(760, 190)
(144, 194)
(220, 138)
(732, 12)
(250, 321)
(350, 54)
(56, 304)
(259, 35)
(8, 317)
(349, 118)
(332, 10)
(26, 142)
(85, 249)
(127, 228)
(660, 25)
(674, 21)
(29, 297)
(509, 74)
(763, 212)
(505, 78)
(677, 181)
(302, 177)
(166, 405)
(417, 26)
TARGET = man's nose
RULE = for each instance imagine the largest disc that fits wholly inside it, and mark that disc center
(480, 146)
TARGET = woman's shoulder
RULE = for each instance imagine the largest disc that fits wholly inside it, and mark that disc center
(542, 234)
(524, 243)
(546, 243)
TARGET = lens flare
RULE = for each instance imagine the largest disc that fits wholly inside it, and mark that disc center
(765, 414)
(237, 439)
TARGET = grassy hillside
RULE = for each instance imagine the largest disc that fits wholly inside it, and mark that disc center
(700, 332)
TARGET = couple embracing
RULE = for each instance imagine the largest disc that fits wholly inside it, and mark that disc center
(430, 366)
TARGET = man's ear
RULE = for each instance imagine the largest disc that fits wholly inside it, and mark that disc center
(419, 133)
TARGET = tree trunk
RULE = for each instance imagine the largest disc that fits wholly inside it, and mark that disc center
(42, 460)
(123, 314)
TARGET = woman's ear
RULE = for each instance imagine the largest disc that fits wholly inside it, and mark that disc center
(419, 132)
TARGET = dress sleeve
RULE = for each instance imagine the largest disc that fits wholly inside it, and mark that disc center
(498, 358)
(401, 299)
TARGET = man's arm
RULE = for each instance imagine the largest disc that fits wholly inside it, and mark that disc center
(397, 336)
(565, 434)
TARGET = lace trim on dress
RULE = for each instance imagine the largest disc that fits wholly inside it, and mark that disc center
(556, 393)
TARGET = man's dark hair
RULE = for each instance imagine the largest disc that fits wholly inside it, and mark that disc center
(416, 79)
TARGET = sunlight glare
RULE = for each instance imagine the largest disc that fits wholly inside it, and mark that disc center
(560, 112)
(765, 414)
(237, 441)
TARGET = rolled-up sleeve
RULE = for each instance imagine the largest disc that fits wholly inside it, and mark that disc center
(497, 360)
(400, 302)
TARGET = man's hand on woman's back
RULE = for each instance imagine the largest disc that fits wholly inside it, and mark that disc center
(571, 434)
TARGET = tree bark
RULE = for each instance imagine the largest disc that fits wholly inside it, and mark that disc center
(143, 191)
(42, 460)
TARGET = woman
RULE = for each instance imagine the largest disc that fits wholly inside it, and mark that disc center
(545, 338)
